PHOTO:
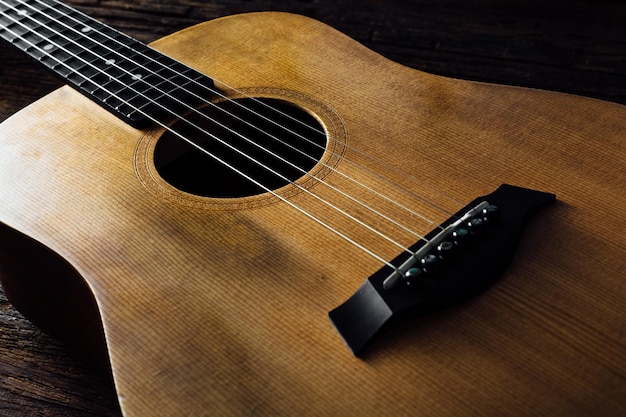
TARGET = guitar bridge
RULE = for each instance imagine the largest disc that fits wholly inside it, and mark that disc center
(455, 262)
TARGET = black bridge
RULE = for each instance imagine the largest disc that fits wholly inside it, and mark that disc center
(457, 261)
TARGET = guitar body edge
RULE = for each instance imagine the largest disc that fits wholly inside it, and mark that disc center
(52, 295)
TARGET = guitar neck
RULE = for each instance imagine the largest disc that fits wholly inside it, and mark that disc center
(133, 81)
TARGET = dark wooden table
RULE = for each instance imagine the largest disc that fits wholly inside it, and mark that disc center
(575, 46)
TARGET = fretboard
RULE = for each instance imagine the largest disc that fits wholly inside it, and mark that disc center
(133, 81)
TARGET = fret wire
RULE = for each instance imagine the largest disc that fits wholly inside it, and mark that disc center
(80, 24)
(259, 184)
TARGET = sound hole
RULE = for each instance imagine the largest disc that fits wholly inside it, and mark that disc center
(248, 146)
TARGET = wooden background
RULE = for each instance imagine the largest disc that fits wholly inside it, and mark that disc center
(573, 46)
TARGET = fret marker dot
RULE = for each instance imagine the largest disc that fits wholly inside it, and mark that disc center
(22, 12)
(86, 29)
(110, 61)
(48, 47)
(136, 76)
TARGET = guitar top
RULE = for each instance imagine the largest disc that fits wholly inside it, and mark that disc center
(206, 286)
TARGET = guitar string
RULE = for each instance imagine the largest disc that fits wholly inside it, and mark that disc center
(303, 171)
(238, 171)
(333, 206)
(97, 69)
(365, 169)
(218, 93)
(370, 157)
(376, 161)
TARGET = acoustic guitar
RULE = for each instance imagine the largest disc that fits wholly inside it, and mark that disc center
(259, 216)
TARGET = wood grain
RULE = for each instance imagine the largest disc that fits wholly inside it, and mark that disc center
(507, 355)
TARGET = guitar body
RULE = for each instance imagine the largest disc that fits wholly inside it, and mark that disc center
(218, 306)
